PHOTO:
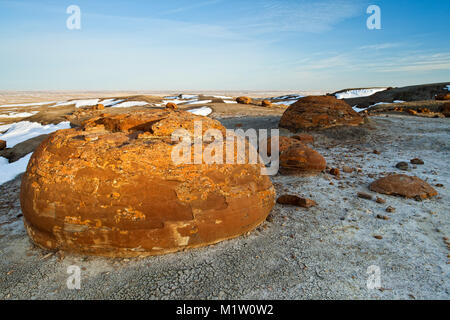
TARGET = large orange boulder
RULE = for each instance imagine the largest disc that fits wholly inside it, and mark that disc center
(110, 188)
(403, 185)
(319, 112)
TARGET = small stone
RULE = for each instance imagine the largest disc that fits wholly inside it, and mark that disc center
(390, 209)
(378, 237)
(402, 166)
(364, 196)
(266, 103)
(2, 144)
(347, 169)
(439, 185)
(303, 137)
(380, 200)
(172, 106)
(335, 172)
(379, 216)
(376, 152)
(417, 161)
(296, 201)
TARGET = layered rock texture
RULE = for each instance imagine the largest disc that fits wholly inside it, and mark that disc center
(319, 112)
(109, 187)
(403, 185)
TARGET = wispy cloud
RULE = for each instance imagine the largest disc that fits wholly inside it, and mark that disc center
(300, 16)
(193, 5)
(380, 46)
(419, 62)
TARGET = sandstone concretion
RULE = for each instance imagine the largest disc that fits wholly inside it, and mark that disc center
(244, 100)
(2, 144)
(319, 112)
(297, 158)
(110, 188)
(403, 185)
(172, 106)
(300, 159)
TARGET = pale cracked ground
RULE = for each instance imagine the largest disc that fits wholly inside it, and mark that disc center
(323, 252)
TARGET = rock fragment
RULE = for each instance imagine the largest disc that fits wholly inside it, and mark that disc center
(296, 201)
(364, 195)
(417, 161)
(402, 166)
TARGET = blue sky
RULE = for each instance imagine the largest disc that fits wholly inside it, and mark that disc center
(222, 45)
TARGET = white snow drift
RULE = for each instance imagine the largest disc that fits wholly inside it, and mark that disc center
(9, 171)
(24, 130)
(203, 111)
(358, 93)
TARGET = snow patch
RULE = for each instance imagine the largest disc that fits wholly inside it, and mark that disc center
(358, 109)
(288, 97)
(174, 101)
(286, 103)
(203, 111)
(188, 96)
(78, 103)
(18, 114)
(27, 104)
(197, 102)
(111, 102)
(229, 101)
(24, 130)
(129, 104)
(358, 93)
(9, 171)
(223, 97)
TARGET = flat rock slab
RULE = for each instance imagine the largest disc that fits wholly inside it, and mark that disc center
(403, 185)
